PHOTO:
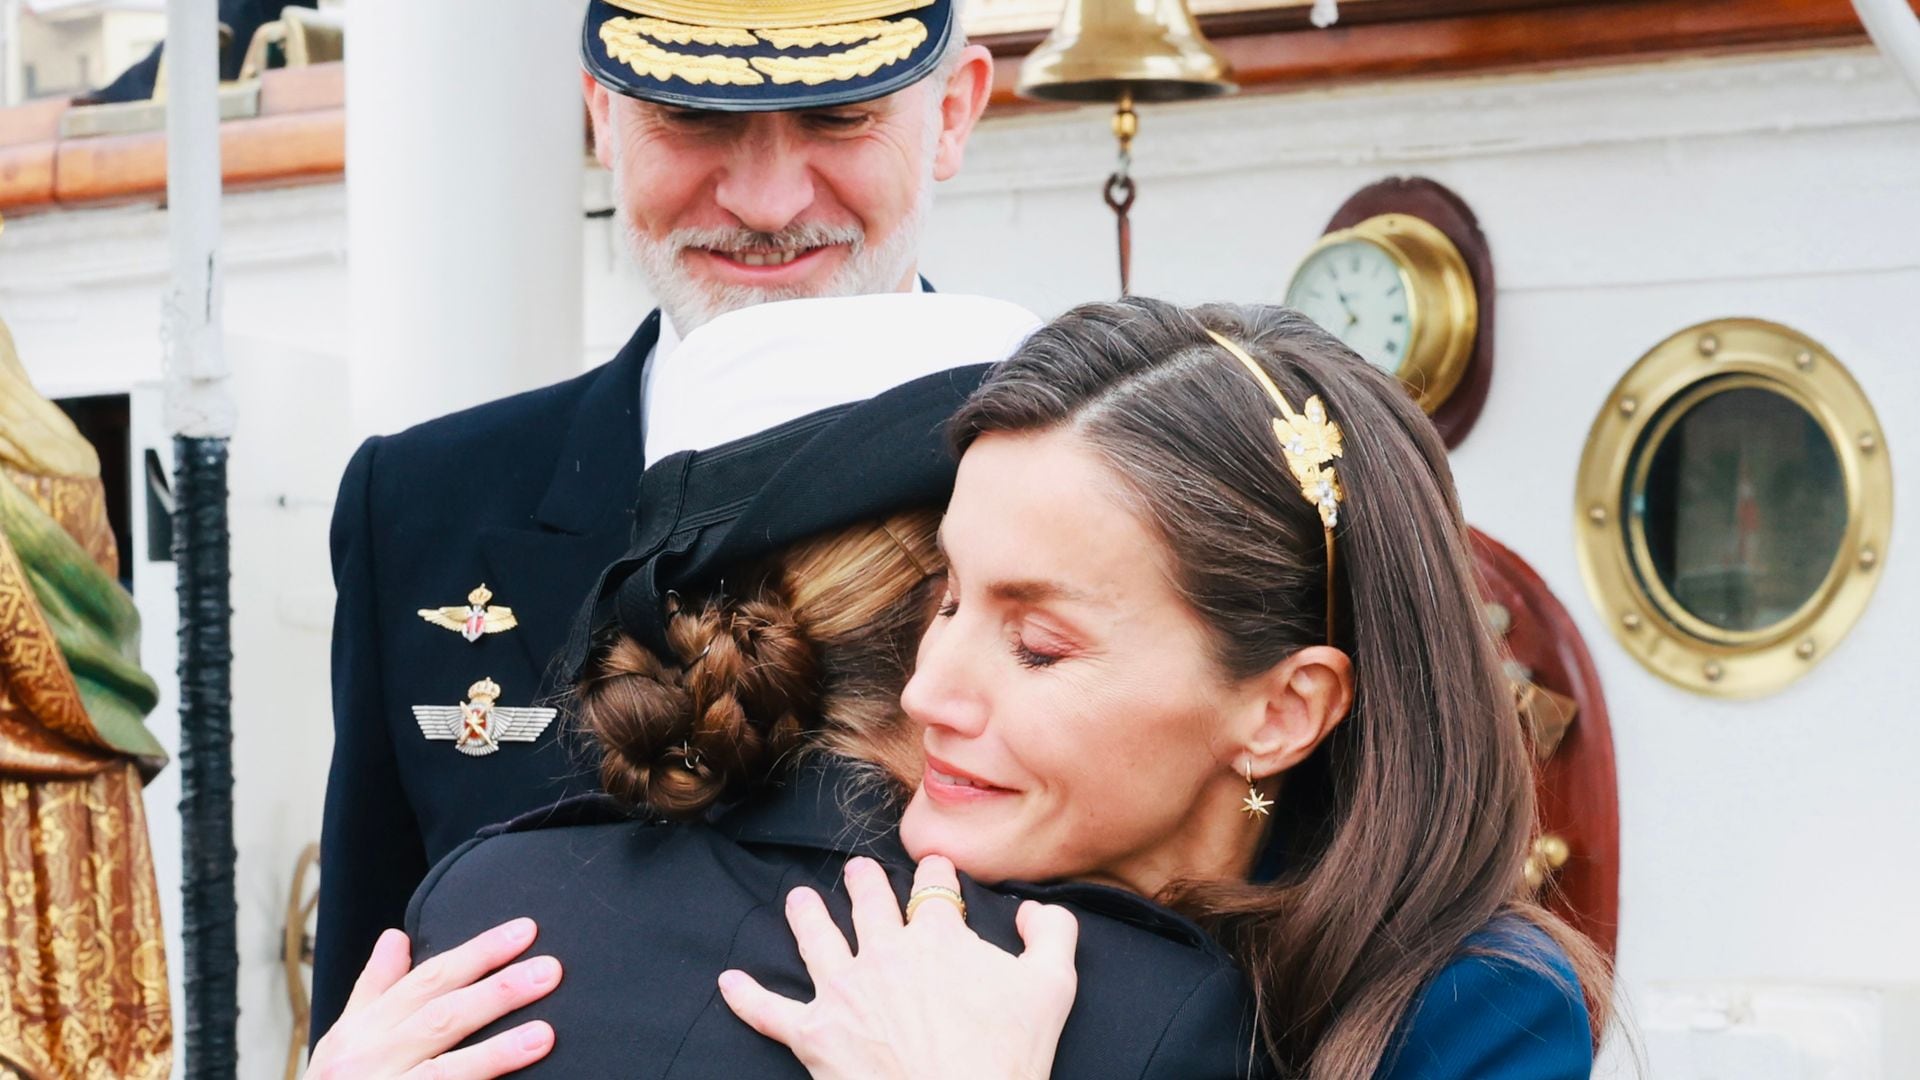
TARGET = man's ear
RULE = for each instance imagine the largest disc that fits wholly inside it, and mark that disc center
(966, 92)
(597, 106)
(1299, 702)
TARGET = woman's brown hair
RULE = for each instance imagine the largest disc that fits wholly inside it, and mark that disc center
(808, 650)
(1408, 829)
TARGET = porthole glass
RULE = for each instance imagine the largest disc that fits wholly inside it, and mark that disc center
(1739, 506)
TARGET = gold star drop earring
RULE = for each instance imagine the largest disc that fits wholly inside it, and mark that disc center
(1255, 804)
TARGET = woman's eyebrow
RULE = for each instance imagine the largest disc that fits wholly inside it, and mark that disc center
(1036, 592)
(1032, 591)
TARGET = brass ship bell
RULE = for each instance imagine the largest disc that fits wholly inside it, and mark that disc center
(1124, 51)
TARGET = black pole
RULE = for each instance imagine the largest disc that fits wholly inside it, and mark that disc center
(200, 549)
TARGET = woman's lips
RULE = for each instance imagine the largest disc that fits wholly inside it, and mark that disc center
(947, 783)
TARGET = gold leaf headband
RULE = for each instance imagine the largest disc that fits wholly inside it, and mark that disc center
(1309, 442)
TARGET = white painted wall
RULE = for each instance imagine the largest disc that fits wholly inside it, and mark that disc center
(1766, 888)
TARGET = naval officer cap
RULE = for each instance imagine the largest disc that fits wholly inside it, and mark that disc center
(787, 420)
(763, 55)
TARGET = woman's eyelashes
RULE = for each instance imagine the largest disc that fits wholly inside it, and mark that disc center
(1031, 657)
(1025, 653)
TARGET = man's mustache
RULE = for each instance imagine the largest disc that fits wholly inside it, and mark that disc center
(792, 238)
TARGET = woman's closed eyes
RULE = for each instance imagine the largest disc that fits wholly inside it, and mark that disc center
(1034, 652)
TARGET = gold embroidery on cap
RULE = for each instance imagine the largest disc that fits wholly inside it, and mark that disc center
(763, 15)
(626, 44)
(876, 43)
(893, 41)
(807, 37)
(683, 34)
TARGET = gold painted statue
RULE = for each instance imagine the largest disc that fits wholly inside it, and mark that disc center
(83, 975)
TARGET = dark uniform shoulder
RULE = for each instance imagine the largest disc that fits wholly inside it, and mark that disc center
(592, 808)
(509, 444)
(1158, 997)
(494, 419)
(528, 865)
(1183, 1009)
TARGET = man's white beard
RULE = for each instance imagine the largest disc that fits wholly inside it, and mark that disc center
(878, 268)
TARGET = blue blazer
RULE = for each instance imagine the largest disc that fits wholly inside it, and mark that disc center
(1518, 1015)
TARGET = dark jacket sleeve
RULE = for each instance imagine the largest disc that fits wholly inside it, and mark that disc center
(371, 856)
(1497, 1018)
(1211, 1037)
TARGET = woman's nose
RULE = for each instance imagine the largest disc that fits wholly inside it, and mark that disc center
(944, 691)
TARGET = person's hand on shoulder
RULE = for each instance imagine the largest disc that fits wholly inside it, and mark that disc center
(405, 1023)
(925, 998)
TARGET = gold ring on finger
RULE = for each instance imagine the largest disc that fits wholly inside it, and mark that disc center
(934, 892)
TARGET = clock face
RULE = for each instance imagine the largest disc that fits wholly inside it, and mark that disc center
(1355, 290)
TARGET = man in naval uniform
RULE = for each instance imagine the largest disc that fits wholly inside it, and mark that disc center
(760, 150)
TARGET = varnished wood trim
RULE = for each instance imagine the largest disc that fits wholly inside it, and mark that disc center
(36, 121)
(265, 149)
(1577, 787)
(1283, 55)
(287, 148)
(105, 167)
(1296, 17)
(303, 89)
(26, 176)
(300, 135)
(1274, 49)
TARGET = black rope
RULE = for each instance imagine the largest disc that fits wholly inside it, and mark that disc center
(200, 550)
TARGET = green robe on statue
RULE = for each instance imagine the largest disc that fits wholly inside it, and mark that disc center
(83, 986)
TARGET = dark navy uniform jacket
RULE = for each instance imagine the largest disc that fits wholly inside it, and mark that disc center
(532, 495)
(644, 917)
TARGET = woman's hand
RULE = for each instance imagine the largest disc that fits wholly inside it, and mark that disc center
(400, 1023)
(923, 999)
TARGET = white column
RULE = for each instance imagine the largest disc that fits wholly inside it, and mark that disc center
(464, 159)
(194, 359)
(12, 73)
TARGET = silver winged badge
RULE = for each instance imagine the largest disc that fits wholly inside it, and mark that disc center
(478, 726)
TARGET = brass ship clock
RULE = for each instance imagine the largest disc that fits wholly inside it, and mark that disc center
(1396, 290)
(1403, 277)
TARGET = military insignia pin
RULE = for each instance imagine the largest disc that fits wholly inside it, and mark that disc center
(477, 726)
(473, 618)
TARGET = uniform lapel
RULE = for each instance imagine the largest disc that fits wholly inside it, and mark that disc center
(585, 517)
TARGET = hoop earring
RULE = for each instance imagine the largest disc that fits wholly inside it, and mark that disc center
(1255, 804)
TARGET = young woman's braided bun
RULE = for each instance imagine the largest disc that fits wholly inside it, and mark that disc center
(824, 632)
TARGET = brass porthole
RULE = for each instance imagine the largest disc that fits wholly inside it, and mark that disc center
(1733, 507)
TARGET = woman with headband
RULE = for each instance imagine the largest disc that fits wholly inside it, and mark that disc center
(1209, 636)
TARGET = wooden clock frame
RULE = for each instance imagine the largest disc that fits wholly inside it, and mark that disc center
(1430, 202)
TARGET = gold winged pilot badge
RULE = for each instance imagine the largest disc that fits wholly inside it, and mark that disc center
(473, 618)
(477, 726)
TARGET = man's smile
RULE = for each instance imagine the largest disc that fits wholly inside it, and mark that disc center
(764, 266)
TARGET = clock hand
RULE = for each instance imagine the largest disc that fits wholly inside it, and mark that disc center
(1352, 319)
